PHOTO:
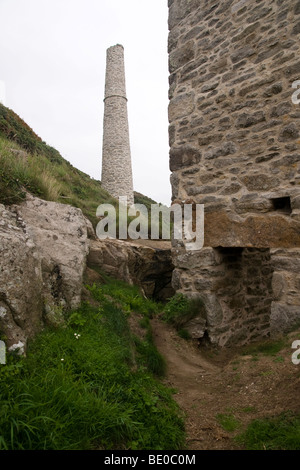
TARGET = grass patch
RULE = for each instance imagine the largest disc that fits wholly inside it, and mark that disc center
(228, 421)
(128, 297)
(266, 348)
(277, 433)
(249, 409)
(150, 357)
(88, 385)
(279, 359)
(183, 333)
(266, 373)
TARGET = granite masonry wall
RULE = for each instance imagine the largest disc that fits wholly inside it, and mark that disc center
(116, 155)
(234, 135)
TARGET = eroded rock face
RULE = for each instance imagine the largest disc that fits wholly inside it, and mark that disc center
(20, 283)
(149, 267)
(43, 250)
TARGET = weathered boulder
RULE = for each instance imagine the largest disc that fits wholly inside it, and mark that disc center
(60, 233)
(43, 249)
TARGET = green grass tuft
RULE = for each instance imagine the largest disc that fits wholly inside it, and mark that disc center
(183, 333)
(180, 309)
(277, 433)
(228, 421)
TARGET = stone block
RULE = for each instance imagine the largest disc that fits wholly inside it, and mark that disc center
(255, 230)
(260, 182)
(284, 317)
(196, 327)
(247, 120)
(181, 106)
(183, 157)
(181, 56)
(289, 132)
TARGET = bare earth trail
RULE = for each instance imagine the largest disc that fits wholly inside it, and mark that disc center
(212, 383)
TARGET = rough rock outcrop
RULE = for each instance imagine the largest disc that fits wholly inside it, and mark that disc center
(20, 283)
(149, 267)
(43, 250)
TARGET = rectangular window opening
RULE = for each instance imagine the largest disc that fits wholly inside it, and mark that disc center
(282, 204)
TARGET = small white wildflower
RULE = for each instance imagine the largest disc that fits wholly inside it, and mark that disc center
(62, 359)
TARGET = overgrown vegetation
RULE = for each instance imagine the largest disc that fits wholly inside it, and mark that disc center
(277, 433)
(90, 384)
(130, 299)
(56, 180)
(148, 352)
(180, 309)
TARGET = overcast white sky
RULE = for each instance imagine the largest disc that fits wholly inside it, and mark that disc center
(52, 60)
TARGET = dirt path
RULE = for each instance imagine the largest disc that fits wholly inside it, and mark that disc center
(212, 385)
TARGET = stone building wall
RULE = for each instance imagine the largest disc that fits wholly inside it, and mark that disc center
(235, 147)
(116, 155)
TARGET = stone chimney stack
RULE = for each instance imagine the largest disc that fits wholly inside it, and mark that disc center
(116, 156)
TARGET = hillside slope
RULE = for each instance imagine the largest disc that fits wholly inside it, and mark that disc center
(27, 163)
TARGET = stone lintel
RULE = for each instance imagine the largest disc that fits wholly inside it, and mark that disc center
(256, 231)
